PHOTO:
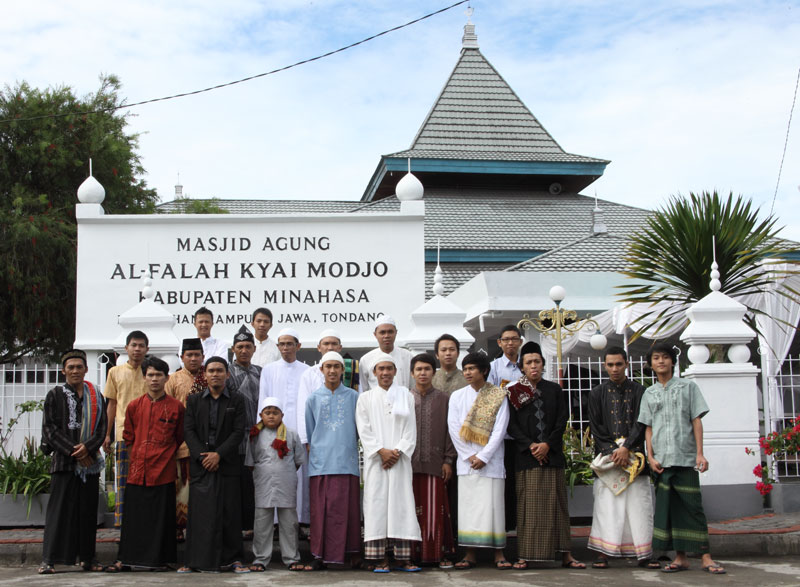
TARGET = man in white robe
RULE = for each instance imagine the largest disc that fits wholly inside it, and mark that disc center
(386, 422)
(385, 333)
(266, 349)
(313, 379)
(281, 379)
(212, 347)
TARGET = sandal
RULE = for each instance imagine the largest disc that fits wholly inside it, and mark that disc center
(464, 564)
(46, 569)
(117, 567)
(315, 565)
(502, 565)
(602, 563)
(445, 564)
(675, 568)
(94, 566)
(520, 565)
(382, 568)
(239, 568)
(299, 566)
(715, 569)
(408, 568)
(258, 568)
(649, 564)
(185, 570)
(573, 564)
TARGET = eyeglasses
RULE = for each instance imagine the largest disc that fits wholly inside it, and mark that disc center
(513, 339)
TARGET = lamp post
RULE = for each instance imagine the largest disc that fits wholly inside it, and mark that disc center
(562, 323)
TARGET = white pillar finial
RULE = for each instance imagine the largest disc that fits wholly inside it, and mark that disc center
(90, 166)
(715, 284)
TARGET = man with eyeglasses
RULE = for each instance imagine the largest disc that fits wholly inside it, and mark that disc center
(504, 368)
(281, 379)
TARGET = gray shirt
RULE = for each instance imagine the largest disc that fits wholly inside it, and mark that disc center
(275, 478)
(669, 409)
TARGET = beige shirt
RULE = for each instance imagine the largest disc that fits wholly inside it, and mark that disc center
(448, 382)
(124, 384)
(178, 386)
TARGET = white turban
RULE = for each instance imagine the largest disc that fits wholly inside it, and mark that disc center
(289, 332)
(329, 332)
(384, 319)
(383, 358)
(267, 402)
(330, 356)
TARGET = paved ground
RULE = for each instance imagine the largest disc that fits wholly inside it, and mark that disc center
(749, 571)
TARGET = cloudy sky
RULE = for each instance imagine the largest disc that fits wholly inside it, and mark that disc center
(681, 96)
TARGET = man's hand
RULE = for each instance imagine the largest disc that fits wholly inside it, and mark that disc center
(210, 461)
(107, 445)
(655, 465)
(86, 461)
(80, 452)
(701, 463)
(476, 463)
(621, 457)
(447, 472)
(539, 451)
(389, 457)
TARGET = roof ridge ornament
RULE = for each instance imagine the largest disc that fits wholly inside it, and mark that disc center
(409, 187)
(470, 39)
(715, 284)
(91, 191)
(438, 278)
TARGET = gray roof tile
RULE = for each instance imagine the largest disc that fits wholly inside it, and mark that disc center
(478, 116)
(599, 252)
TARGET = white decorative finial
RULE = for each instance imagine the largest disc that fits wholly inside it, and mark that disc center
(147, 289)
(715, 284)
(469, 11)
(438, 286)
(90, 191)
(596, 206)
(409, 187)
(90, 166)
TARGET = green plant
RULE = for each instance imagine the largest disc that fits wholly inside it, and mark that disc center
(779, 444)
(578, 454)
(669, 259)
(28, 473)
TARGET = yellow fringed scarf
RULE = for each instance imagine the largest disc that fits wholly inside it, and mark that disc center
(479, 423)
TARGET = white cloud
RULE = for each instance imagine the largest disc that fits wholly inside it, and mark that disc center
(681, 96)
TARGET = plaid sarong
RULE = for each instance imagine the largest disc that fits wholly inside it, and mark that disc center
(121, 480)
(679, 522)
(378, 549)
(542, 514)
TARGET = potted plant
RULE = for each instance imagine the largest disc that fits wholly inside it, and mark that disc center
(783, 496)
(578, 454)
(26, 474)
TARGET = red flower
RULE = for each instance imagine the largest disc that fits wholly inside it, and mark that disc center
(764, 488)
(254, 431)
(758, 471)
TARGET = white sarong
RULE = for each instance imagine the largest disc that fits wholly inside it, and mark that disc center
(622, 525)
(481, 511)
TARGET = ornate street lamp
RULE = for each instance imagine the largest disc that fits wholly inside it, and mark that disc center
(558, 322)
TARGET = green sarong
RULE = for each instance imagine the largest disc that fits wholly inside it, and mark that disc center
(679, 522)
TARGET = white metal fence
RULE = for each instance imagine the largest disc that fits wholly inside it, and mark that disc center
(788, 383)
(29, 381)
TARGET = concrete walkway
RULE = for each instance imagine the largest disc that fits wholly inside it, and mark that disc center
(767, 534)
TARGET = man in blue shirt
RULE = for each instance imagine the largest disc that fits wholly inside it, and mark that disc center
(330, 416)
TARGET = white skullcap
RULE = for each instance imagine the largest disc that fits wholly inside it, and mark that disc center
(383, 358)
(289, 332)
(267, 402)
(331, 356)
(329, 332)
(384, 319)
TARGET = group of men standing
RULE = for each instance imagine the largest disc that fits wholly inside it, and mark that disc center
(217, 452)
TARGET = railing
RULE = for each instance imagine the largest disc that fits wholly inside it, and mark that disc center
(788, 383)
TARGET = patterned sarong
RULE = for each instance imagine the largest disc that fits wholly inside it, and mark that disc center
(622, 525)
(542, 514)
(383, 547)
(335, 517)
(433, 515)
(481, 512)
(121, 480)
(679, 522)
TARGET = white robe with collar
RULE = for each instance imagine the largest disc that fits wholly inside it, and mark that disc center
(389, 508)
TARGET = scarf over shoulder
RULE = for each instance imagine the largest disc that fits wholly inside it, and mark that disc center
(479, 423)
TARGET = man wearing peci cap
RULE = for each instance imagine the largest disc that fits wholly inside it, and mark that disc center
(386, 333)
(281, 379)
(330, 422)
(73, 429)
(186, 381)
(244, 378)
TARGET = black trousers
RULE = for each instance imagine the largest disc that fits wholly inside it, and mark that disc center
(248, 495)
(214, 528)
(70, 528)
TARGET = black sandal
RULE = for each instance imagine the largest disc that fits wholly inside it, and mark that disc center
(465, 564)
(93, 567)
(46, 569)
(602, 563)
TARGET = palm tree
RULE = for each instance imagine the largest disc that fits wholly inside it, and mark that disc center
(669, 260)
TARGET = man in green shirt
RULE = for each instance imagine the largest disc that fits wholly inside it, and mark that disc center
(672, 410)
